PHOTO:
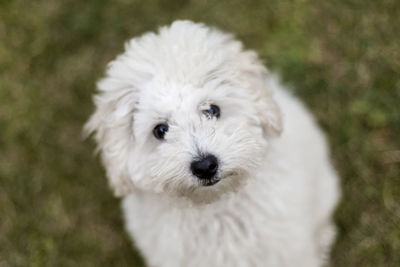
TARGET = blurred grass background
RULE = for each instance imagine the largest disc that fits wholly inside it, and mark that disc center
(341, 57)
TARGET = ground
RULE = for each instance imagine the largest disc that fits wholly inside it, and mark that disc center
(342, 58)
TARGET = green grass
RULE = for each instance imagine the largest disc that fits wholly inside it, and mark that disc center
(341, 57)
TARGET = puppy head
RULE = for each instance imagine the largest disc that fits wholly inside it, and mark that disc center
(184, 112)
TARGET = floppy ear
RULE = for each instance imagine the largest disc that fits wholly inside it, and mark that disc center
(268, 110)
(260, 84)
(111, 124)
(112, 121)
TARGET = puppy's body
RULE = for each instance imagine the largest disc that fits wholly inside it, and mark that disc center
(275, 189)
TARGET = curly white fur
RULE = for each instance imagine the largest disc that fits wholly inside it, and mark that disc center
(278, 190)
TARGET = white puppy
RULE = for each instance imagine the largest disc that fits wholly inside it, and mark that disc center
(217, 164)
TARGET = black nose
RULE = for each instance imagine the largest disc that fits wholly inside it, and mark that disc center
(206, 167)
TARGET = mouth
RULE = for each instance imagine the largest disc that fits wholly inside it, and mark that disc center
(209, 182)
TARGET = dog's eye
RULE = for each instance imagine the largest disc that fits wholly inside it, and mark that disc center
(160, 130)
(212, 111)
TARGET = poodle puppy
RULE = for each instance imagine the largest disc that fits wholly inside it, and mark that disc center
(217, 164)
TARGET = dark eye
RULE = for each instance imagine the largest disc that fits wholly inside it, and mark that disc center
(212, 112)
(160, 130)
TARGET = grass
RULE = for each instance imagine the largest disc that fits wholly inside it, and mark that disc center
(341, 57)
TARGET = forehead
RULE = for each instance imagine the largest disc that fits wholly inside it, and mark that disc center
(163, 98)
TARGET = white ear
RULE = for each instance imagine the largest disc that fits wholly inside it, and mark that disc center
(269, 113)
(111, 124)
(112, 121)
(256, 76)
